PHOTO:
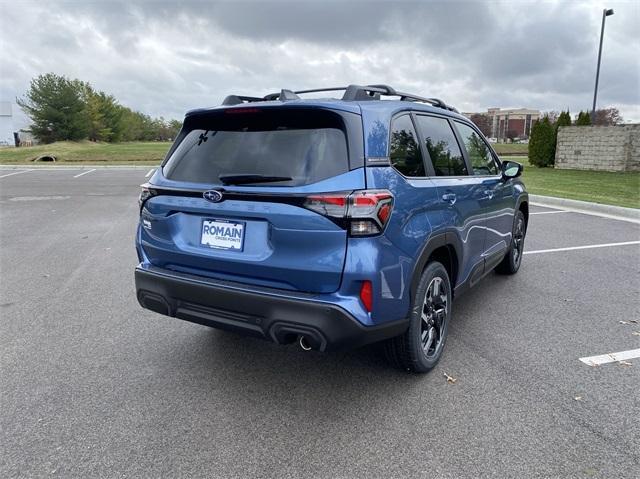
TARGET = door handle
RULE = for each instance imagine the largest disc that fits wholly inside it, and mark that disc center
(449, 198)
(488, 193)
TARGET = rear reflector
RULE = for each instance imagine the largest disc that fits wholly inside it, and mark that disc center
(366, 295)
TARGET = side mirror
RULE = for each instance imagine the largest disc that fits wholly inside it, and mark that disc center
(511, 169)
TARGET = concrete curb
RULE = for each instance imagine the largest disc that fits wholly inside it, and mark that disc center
(586, 207)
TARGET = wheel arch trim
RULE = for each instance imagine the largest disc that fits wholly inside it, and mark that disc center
(446, 239)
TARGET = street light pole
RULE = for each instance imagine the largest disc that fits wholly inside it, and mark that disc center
(605, 13)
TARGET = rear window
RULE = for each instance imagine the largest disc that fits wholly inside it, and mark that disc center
(305, 145)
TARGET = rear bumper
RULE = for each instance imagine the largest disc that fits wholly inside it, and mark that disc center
(256, 312)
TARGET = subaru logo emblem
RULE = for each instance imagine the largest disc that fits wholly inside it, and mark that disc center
(212, 195)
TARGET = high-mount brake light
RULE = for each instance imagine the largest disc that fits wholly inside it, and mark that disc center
(366, 212)
(233, 111)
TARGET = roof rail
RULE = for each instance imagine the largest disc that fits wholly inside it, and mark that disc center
(411, 97)
(351, 93)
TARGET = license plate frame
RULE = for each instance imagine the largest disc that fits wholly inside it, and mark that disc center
(219, 241)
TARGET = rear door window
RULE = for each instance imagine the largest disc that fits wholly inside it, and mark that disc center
(482, 161)
(305, 145)
(442, 146)
(404, 150)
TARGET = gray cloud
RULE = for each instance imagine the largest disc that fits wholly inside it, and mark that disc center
(166, 57)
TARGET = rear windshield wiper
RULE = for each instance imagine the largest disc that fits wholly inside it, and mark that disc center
(246, 179)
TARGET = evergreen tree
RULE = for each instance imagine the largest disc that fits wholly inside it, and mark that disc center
(104, 115)
(564, 119)
(542, 143)
(584, 119)
(55, 106)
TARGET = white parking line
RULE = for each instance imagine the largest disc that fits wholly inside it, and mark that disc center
(591, 213)
(611, 357)
(590, 246)
(84, 173)
(549, 212)
(15, 173)
(150, 172)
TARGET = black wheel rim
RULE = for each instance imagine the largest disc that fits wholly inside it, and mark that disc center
(518, 241)
(434, 317)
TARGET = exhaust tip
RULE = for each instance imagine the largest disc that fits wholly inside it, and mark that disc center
(304, 344)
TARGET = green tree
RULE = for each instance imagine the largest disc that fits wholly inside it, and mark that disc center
(174, 128)
(564, 119)
(584, 119)
(104, 114)
(137, 126)
(64, 109)
(55, 105)
(542, 143)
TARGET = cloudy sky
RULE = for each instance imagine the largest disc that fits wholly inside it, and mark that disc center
(164, 58)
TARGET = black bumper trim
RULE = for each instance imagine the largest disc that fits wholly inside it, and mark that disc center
(276, 318)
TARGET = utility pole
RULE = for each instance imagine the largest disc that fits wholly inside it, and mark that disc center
(605, 13)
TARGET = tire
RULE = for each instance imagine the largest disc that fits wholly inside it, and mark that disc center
(512, 260)
(412, 351)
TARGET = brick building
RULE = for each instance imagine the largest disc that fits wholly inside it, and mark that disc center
(513, 123)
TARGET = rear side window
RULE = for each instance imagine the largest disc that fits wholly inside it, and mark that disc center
(305, 145)
(404, 150)
(442, 146)
(482, 161)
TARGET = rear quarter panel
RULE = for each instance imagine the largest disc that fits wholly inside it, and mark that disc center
(417, 214)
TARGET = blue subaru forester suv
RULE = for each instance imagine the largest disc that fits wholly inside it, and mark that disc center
(333, 223)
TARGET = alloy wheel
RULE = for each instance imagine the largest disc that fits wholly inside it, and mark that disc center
(434, 317)
(518, 241)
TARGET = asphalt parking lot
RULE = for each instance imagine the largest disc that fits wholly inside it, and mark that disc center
(92, 385)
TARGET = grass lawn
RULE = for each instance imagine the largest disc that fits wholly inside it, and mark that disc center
(619, 189)
(511, 148)
(87, 152)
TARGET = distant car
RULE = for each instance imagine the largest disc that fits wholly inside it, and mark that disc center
(334, 223)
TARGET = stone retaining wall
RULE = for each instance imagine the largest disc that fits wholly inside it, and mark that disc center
(606, 148)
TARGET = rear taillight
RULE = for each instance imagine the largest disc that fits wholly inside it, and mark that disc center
(145, 194)
(369, 211)
(365, 212)
(331, 204)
